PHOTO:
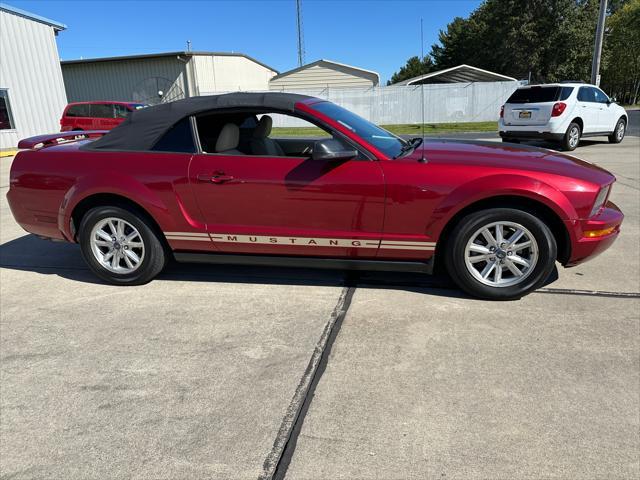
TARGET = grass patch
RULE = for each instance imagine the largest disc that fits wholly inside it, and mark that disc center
(401, 129)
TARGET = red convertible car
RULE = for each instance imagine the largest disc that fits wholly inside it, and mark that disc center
(202, 180)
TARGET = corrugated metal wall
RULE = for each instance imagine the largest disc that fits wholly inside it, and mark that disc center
(225, 73)
(125, 79)
(443, 103)
(321, 76)
(30, 70)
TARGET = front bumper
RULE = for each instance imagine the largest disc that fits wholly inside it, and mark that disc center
(585, 248)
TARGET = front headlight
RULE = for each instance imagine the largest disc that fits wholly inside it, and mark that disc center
(600, 199)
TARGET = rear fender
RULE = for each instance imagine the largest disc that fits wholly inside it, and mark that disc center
(116, 184)
(497, 186)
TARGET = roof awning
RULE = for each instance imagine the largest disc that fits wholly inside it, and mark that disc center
(459, 74)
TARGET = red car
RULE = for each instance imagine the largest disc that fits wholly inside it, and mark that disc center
(202, 180)
(96, 115)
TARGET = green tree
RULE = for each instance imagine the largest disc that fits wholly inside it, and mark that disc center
(621, 55)
(412, 68)
(550, 40)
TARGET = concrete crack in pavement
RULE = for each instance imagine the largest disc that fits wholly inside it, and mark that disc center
(277, 461)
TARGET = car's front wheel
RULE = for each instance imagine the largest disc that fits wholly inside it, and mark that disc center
(618, 134)
(120, 246)
(571, 138)
(500, 253)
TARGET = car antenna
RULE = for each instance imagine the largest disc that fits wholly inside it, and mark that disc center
(422, 157)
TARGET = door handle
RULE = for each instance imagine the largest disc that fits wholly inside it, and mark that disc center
(218, 177)
(222, 178)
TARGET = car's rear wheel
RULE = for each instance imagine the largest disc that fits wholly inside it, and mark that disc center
(120, 246)
(571, 138)
(618, 134)
(500, 253)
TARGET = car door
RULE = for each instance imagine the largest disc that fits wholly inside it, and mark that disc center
(286, 205)
(607, 115)
(588, 110)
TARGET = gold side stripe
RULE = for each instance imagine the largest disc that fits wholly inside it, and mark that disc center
(192, 239)
(402, 247)
(401, 242)
(185, 234)
(302, 241)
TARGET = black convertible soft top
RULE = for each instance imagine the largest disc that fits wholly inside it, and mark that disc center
(142, 128)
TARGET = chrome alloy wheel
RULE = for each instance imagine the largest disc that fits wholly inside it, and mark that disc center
(574, 136)
(501, 254)
(117, 245)
(620, 131)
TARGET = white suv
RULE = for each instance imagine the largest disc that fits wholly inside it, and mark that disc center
(563, 112)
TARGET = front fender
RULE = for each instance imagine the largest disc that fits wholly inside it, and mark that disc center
(113, 183)
(497, 186)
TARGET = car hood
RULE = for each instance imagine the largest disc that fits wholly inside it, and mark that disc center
(510, 157)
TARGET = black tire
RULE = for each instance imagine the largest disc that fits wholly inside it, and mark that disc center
(153, 260)
(569, 142)
(455, 254)
(616, 136)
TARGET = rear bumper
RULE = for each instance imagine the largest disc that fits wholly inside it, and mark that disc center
(584, 248)
(530, 135)
(39, 222)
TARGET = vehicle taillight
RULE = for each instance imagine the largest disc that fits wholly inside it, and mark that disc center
(502, 111)
(558, 108)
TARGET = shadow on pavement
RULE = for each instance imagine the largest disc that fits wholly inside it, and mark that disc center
(32, 254)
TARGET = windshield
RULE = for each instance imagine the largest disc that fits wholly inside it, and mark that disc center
(384, 141)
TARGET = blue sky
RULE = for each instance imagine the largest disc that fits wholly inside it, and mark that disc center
(376, 35)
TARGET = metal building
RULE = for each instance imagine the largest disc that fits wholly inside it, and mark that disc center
(323, 74)
(32, 95)
(163, 77)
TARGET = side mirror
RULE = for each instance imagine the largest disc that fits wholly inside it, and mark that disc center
(332, 149)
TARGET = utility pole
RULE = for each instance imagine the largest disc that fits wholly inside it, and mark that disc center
(597, 49)
(300, 37)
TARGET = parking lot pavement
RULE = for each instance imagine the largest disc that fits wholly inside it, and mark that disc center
(425, 383)
(202, 372)
(187, 377)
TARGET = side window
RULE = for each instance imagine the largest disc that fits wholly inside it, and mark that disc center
(565, 92)
(102, 110)
(178, 138)
(600, 96)
(260, 133)
(6, 119)
(585, 94)
(120, 110)
(81, 110)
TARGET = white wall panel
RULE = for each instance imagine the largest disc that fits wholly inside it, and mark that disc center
(30, 70)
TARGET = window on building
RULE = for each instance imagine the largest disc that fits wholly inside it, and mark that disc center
(6, 119)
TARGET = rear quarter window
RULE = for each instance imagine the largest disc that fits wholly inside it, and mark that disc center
(178, 138)
(535, 95)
